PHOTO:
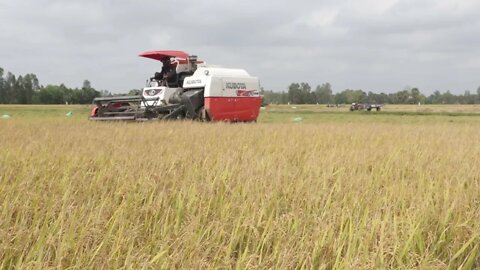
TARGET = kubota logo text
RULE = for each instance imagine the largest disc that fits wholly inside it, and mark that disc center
(193, 81)
(232, 85)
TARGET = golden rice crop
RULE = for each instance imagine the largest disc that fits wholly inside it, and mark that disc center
(78, 195)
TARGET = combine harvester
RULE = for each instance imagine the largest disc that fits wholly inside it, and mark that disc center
(198, 92)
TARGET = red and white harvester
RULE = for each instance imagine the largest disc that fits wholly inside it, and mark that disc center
(198, 91)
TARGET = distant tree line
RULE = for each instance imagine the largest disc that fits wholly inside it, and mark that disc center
(27, 90)
(302, 93)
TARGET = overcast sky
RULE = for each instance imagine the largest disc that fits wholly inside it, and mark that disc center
(374, 45)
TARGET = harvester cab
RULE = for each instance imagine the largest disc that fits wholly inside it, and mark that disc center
(182, 65)
(196, 91)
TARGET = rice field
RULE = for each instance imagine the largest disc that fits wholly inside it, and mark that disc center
(334, 190)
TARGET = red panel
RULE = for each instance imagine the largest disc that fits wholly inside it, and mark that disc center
(233, 108)
(248, 108)
(220, 108)
(159, 55)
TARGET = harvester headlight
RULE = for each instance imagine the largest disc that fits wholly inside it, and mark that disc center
(206, 72)
(153, 92)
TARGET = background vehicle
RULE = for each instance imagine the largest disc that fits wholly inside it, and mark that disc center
(365, 106)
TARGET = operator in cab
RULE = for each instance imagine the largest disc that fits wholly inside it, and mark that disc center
(168, 75)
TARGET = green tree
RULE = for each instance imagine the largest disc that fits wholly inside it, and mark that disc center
(468, 98)
(323, 93)
(106, 93)
(270, 97)
(85, 95)
(52, 94)
(448, 98)
(402, 97)
(10, 94)
(417, 96)
(26, 88)
(3, 90)
(435, 98)
(88, 93)
(477, 100)
(294, 93)
(20, 91)
(381, 98)
(305, 94)
(86, 84)
(349, 96)
(300, 93)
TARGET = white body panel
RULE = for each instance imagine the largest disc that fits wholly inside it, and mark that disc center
(164, 93)
(223, 82)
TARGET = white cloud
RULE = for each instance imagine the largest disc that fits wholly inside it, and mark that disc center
(319, 18)
(367, 8)
(370, 44)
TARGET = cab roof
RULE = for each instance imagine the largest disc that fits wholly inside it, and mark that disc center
(159, 55)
